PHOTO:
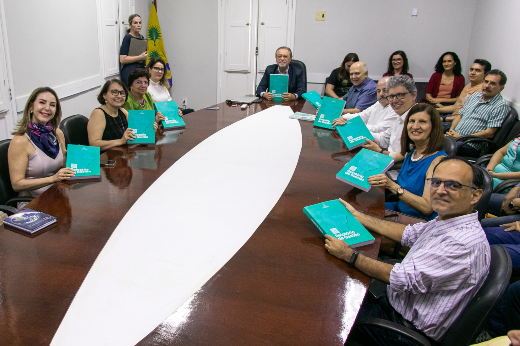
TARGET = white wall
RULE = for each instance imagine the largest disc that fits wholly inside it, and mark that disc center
(495, 38)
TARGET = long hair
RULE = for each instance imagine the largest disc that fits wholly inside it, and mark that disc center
(350, 57)
(130, 19)
(436, 140)
(23, 125)
(457, 70)
(390, 69)
(150, 65)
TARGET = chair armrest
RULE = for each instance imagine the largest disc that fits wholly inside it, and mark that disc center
(8, 210)
(463, 138)
(484, 160)
(394, 327)
(13, 201)
(506, 184)
(492, 146)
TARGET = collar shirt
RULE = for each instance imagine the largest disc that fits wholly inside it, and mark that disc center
(478, 115)
(447, 264)
(464, 96)
(361, 96)
(391, 137)
(159, 92)
(376, 117)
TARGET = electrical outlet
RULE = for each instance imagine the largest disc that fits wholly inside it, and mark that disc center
(184, 102)
(320, 15)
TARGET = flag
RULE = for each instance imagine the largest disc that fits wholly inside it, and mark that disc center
(155, 43)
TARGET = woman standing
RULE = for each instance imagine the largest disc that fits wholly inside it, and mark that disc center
(397, 65)
(447, 82)
(338, 83)
(132, 38)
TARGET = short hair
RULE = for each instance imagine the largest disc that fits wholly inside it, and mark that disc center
(365, 68)
(401, 80)
(284, 47)
(350, 57)
(457, 70)
(497, 72)
(436, 141)
(485, 63)
(105, 88)
(23, 125)
(478, 175)
(137, 73)
(154, 61)
(130, 19)
(390, 68)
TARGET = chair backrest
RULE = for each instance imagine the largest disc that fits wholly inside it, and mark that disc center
(302, 67)
(75, 129)
(501, 137)
(515, 132)
(450, 146)
(6, 189)
(469, 324)
(487, 190)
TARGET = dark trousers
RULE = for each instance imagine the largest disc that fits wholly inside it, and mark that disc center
(466, 150)
(509, 240)
(513, 307)
(378, 308)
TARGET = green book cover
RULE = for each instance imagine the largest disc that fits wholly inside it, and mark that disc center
(170, 110)
(365, 164)
(325, 140)
(141, 122)
(84, 160)
(314, 98)
(278, 85)
(332, 218)
(330, 109)
(354, 133)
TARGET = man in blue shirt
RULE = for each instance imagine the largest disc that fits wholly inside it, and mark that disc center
(364, 92)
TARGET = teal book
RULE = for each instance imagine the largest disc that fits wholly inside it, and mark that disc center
(141, 122)
(332, 218)
(330, 109)
(354, 133)
(171, 112)
(84, 160)
(314, 98)
(278, 85)
(365, 164)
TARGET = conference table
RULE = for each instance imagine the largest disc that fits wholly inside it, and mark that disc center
(281, 288)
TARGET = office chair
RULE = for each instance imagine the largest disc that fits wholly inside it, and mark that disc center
(75, 129)
(471, 321)
(302, 67)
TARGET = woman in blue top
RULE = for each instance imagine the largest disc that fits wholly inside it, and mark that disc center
(422, 146)
(128, 62)
(505, 163)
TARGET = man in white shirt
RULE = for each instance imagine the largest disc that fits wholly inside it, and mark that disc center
(378, 117)
(402, 93)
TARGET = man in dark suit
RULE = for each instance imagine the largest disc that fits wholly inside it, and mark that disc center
(297, 86)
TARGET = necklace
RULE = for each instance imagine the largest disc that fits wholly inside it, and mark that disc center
(417, 159)
(141, 104)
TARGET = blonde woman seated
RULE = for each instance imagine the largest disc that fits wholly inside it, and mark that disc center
(422, 144)
(36, 154)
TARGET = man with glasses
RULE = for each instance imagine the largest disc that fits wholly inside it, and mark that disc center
(447, 263)
(363, 93)
(402, 93)
(378, 117)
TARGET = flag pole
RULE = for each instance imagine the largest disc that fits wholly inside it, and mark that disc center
(155, 3)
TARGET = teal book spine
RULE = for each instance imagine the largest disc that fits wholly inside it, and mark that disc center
(84, 160)
(171, 112)
(278, 85)
(365, 164)
(141, 123)
(332, 218)
(313, 98)
(330, 109)
(354, 133)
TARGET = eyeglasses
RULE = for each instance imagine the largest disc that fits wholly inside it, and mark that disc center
(400, 96)
(158, 69)
(116, 92)
(449, 185)
(139, 82)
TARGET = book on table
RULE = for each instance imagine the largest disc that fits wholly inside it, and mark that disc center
(141, 123)
(278, 85)
(354, 133)
(84, 160)
(332, 218)
(30, 221)
(365, 164)
(330, 109)
(170, 110)
(303, 116)
(313, 97)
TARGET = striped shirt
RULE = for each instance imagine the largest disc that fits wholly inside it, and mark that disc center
(443, 270)
(478, 115)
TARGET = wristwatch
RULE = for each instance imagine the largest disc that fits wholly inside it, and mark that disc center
(353, 258)
(512, 206)
(444, 118)
(399, 191)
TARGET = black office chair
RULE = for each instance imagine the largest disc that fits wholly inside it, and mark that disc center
(487, 190)
(471, 321)
(302, 67)
(500, 138)
(75, 129)
(450, 146)
(8, 197)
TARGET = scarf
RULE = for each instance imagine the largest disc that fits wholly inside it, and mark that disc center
(45, 139)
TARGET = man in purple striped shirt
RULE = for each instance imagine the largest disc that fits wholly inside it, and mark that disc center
(447, 263)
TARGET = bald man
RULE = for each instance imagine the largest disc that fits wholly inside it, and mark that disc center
(378, 117)
(363, 94)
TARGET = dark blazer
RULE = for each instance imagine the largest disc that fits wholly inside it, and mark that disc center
(296, 84)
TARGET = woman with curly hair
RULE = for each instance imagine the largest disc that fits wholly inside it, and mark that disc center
(397, 65)
(446, 83)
